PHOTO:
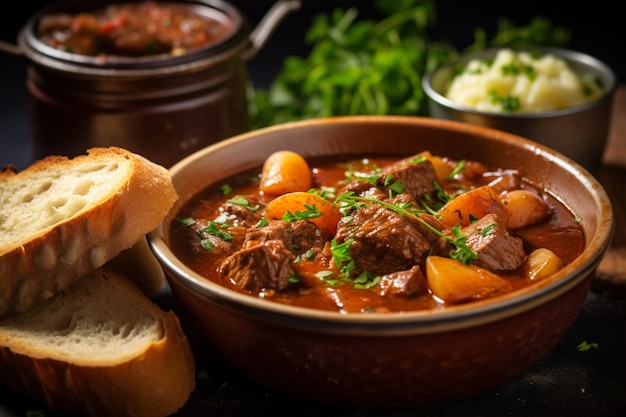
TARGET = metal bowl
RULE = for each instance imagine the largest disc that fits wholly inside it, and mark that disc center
(579, 132)
(388, 360)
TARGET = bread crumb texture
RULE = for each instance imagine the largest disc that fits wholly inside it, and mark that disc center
(56, 189)
(95, 320)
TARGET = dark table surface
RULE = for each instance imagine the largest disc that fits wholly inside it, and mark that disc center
(567, 382)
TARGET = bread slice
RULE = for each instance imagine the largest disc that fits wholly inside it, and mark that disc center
(101, 347)
(62, 218)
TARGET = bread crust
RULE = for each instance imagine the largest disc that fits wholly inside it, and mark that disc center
(50, 260)
(155, 381)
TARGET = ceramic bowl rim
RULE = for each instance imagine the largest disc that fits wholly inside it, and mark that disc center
(429, 321)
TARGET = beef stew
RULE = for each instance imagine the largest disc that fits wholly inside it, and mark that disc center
(383, 234)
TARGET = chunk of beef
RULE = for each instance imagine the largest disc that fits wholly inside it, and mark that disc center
(262, 266)
(264, 261)
(299, 236)
(241, 216)
(403, 283)
(364, 189)
(497, 250)
(417, 174)
(233, 219)
(218, 245)
(384, 241)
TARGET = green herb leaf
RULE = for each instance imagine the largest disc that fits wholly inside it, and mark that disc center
(242, 201)
(187, 221)
(585, 346)
(213, 229)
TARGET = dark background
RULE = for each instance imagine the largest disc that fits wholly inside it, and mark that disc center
(597, 28)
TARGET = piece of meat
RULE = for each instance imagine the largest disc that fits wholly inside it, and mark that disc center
(384, 241)
(497, 250)
(417, 174)
(264, 260)
(405, 283)
(299, 236)
(259, 267)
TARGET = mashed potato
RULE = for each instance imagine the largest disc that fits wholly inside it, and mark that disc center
(520, 82)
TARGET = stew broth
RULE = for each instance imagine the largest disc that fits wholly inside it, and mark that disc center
(559, 232)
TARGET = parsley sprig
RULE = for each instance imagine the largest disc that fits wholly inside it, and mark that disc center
(311, 212)
(242, 201)
(212, 229)
(346, 265)
(462, 252)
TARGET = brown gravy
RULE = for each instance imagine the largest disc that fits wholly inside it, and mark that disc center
(561, 233)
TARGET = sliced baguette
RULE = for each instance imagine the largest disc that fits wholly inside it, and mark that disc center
(62, 218)
(100, 347)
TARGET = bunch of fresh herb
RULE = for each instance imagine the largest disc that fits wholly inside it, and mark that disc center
(366, 66)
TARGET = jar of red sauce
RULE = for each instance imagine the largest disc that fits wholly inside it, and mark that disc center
(165, 101)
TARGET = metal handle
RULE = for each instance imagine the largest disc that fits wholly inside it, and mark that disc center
(11, 49)
(268, 24)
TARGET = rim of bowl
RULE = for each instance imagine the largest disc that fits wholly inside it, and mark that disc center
(570, 56)
(411, 322)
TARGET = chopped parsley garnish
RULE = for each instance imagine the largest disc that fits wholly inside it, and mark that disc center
(262, 223)
(396, 187)
(185, 221)
(242, 201)
(213, 229)
(460, 166)
(585, 346)
(311, 212)
(346, 265)
(519, 68)
(293, 277)
(508, 102)
(225, 189)
(487, 230)
(461, 253)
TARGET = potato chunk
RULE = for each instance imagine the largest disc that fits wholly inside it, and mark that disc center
(454, 282)
(541, 263)
(524, 208)
(285, 172)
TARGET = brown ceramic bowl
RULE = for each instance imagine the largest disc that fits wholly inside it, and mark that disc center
(389, 360)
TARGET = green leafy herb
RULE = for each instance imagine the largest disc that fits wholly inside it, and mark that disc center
(225, 189)
(517, 68)
(293, 277)
(311, 212)
(341, 252)
(308, 255)
(487, 230)
(585, 346)
(207, 244)
(366, 280)
(242, 201)
(213, 229)
(343, 260)
(376, 65)
(186, 221)
(461, 253)
(509, 103)
(458, 168)
(396, 187)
